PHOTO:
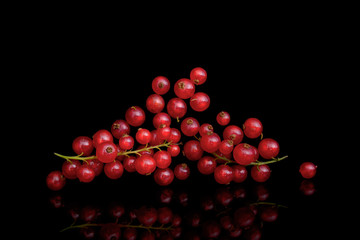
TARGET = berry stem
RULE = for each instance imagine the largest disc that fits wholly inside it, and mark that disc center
(258, 163)
(149, 228)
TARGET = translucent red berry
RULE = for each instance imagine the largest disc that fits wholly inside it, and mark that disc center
(190, 126)
(162, 158)
(200, 102)
(226, 146)
(205, 128)
(223, 118)
(240, 173)
(114, 170)
(126, 142)
(106, 152)
(206, 165)
(102, 136)
(161, 119)
(184, 88)
(175, 135)
(244, 154)
(163, 133)
(160, 85)
(252, 127)
(96, 165)
(143, 136)
(129, 164)
(210, 142)
(83, 145)
(163, 177)
(145, 164)
(85, 173)
(135, 116)
(192, 150)
(119, 128)
(268, 148)
(174, 150)
(223, 174)
(234, 133)
(69, 169)
(155, 103)
(307, 170)
(55, 180)
(182, 171)
(260, 173)
(198, 75)
(176, 108)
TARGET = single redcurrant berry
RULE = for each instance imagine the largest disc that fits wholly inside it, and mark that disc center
(200, 102)
(174, 150)
(55, 180)
(223, 174)
(83, 145)
(135, 116)
(102, 136)
(182, 171)
(252, 128)
(143, 136)
(198, 75)
(85, 173)
(162, 158)
(192, 150)
(206, 165)
(176, 108)
(69, 169)
(175, 135)
(184, 88)
(210, 142)
(155, 140)
(206, 128)
(163, 133)
(163, 177)
(240, 173)
(129, 164)
(308, 170)
(119, 128)
(126, 142)
(269, 213)
(244, 154)
(226, 146)
(234, 133)
(161, 119)
(268, 148)
(260, 173)
(106, 152)
(160, 85)
(155, 103)
(223, 118)
(145, 165)
(190, 126)
(114, 170)
(96, 165)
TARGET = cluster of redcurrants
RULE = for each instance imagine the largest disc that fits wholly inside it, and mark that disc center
(113, 158)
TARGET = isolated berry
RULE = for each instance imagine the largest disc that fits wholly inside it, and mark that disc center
(85, 173)
(119, 128)
(223, 174)
(83, 145)
(106, 152)
(268, 148)
(184, 88)
(210, 142)
(176, 108)
(244, 154)
(160, 85)
(234, 133)
(223, 118)
(102, 136)
(198, 75)
(155, 103)
(260, 173)
(307, 170)
(252, 128)
(55, 180)
(200, 102)
(163, 177)
(114, 170)
(145, 164)
(190, 126)
(182, 171)
(135, 116)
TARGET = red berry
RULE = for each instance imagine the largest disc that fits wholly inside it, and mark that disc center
(260, 173)
(83, 145)
(190, 126)
(106, 152)
(129, 164)
(176, 107)
(102, 136)
(85, 173)
(205, 129)
(163, 133)
(174, 150)
(162, 158)
(200, 102)
(114, 170)
(143, 136)
(182, 171)
(269, 213)
(223, 174)
(223, 118)
(126, 142)
(307, 170)
(160, 85)
(240, 173)
(161, 119)
(155, 103)
(175, 135)
(244, 217)
(146, 216)
(226, 146)
(145, 165)
(96, 165)
(184, 88)
(206, 165)
(210, 142)
(165, 215)
(135, 116)
(198, 75)
(234, 133)
(55, 180)
(244, 154)
(155, 140)
(119, 128)
(193, 150)
(252, 128)
(163, 177)
(69, 169)
(307, 187)
(268, 148)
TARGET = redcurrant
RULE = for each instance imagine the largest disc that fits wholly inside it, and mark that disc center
(145, 164)
(223, 174)
(175, 135)
(155, 103)
(126, 142)
(240, 173)
(260, 173)
(174, 150)
(190, 126)
(161, 119)
(114, 170)
(182, 171)
(162, 158)
(160, 85)
(106, 152)
(102, 136)
(83, 145)
(234, 133)
(307, 170)
(163, 177)
(223, 118)
(143, 136)
(163, 133)
(135, 116)
(210, 142)
(244, 154)
(176, 107)
(119, 128)
(55, 180)
(69, 169)
(206, 165)
(85, 173)
(192, 150)
(129, 164)
(96, 165)
(184, 88)
(198, 75)
(268, 148)
(205, 128)
(252, 128)
(200, 102)
(226, 146)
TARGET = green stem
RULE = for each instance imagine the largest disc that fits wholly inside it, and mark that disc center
(269, 203)
(258, 163)
(85, 225)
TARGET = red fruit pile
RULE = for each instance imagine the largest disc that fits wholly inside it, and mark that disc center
(148, 151)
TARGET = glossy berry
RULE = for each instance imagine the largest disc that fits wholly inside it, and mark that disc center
(155, 103)
(155, 140)
(206, 165)
(163, 177)
(174, 150)
(145, 164)
(268, 148)
(190, 126)
(182, 171)
(83, 145)
(200, 102)
(55, 180)
(234, 133)
(96, 165)
(129, 164)
(126, 142)
(210, 142)
(223, 174)
(135, 116)
(85, 173)
(162, 158)
(160, 85)
(244, 154)
(307, 170)
(161, 119)
(69, 169)
(119, 128)
(143, 136)
(175, 135)
(226, 146)
(240, 173)
(252, 128)
(102, 136)
(176, 108)
(192, 150)
(198, 75)
(163, 133)
(184, 88)
(114, 170)
(106, 152)
(260, 173)
(223, 118)
(205, 129)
